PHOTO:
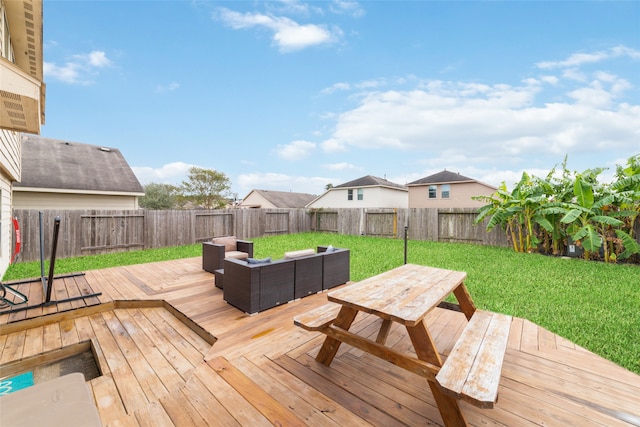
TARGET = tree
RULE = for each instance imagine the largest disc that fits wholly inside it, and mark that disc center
(206, 187)
(159, 196)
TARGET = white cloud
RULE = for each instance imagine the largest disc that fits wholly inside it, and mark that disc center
(578, 59)
(470, 122)
(335, 87)
(81, 69)
(168, 87)
(342, 166)
(296, 150)
(282, 182)
(96, 59)
(352, 8)
(574, 74)
(288, 35)
(171, 173)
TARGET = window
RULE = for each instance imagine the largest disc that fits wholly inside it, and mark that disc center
(445, 191)
(432, 191)
(349, 194)
(360, 193)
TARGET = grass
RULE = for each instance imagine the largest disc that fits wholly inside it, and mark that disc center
(595, 305)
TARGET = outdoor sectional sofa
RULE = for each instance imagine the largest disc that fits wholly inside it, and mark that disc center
(254, 287)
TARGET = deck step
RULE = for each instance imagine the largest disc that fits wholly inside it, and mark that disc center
(318, 318)
(472, 370)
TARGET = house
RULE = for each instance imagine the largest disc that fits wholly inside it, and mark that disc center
(275, 199)
(22, 100)
(68, 175)
(447, 190)
(365, 192)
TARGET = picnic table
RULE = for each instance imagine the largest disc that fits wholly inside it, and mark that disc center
(406, 295)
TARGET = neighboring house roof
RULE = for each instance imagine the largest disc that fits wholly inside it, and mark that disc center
(444, 177)
(282, 199)
(370, 181)
(62, 165)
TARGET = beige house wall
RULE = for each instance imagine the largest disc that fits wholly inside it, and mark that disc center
(256, 200)
(45, 201)
(373, 197)
(460, 195)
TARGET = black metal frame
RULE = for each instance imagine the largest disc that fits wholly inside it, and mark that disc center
(47, 282)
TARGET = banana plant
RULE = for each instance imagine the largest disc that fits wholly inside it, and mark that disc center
(558, 191)
(517, 211)
(593, 217)
(628, 181)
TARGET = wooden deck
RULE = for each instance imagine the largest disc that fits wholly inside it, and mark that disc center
(172, 352)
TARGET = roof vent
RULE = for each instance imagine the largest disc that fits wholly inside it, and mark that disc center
(105, 149)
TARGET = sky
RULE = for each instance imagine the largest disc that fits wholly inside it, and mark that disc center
(294, 95)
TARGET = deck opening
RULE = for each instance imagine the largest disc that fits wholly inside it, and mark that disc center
(80, 357)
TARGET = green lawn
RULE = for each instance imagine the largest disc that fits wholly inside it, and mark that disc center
(593, 304)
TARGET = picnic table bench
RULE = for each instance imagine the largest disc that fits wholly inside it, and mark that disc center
(406, 295)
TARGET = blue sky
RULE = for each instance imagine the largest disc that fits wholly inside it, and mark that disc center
(292, 95)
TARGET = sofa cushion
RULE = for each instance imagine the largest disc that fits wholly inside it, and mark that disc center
(229, 242)
(300, 253)
(236, 255)
(259, 261)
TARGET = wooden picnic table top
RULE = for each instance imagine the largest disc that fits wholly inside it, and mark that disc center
(404, 294)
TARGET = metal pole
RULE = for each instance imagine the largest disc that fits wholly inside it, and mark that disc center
(406, 229)
(41, 247)
(52, 263)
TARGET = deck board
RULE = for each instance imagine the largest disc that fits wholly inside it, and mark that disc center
(157, 370)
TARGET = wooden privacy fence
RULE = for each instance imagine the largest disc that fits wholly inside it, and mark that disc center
(435, 224)
(87, 232)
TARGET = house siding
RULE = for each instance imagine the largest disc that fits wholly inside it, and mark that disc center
(373, 197)
(256, 200)
(10, 151)
(50, 201)
(460, 195)
(9, 172)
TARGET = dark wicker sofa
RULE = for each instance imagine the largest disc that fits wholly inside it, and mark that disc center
(257, 287)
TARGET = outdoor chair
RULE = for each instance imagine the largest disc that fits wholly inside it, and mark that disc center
(219, 248)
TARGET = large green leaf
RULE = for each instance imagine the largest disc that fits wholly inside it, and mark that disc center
(592, 241)
(606, 220)
(630, 245)
(583, 192)
(544, 223)
(552, 210)
(571, 216)
(632, 182)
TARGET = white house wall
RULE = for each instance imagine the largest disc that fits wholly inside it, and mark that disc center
(9, 172)
(373, 197)
(45, 201)
(10, 150)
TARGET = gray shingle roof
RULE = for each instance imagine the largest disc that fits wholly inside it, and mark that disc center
(443, 177)
(286, 199)
(370, 181)
(57, 164)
